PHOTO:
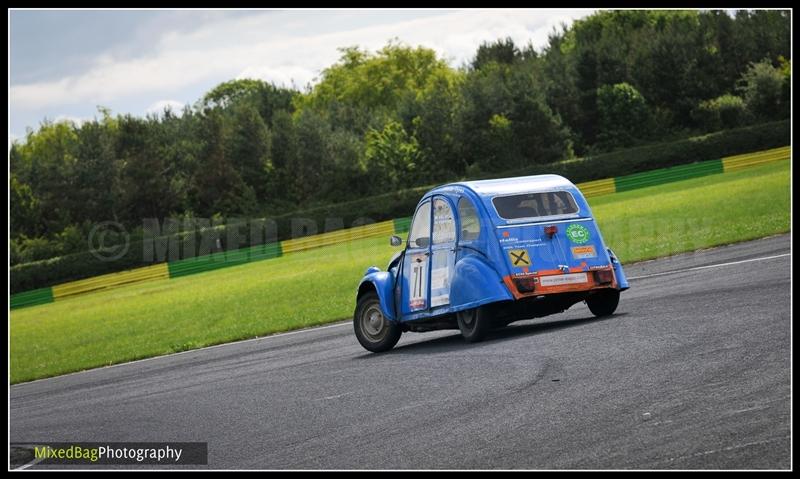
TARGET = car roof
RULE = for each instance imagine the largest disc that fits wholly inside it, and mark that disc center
(483, 191)
(520, 184)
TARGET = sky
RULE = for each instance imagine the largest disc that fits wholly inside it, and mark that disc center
(64, 64)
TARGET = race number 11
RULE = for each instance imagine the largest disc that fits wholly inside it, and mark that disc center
(417, 284)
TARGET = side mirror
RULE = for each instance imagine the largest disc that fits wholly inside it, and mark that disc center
(395, 240)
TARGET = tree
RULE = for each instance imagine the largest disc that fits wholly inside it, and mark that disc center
(668, 64)
(436, 127)
(46, 162)
(392, 155)
(623, 114)
(347, 176)
(284, 155)
(145, 173)
(310, 167)
(218, 187)
(499, 51)
(25, 210)
(96, 171)
(505, 101)
(373, 84)
(761, 86)
(250, 148)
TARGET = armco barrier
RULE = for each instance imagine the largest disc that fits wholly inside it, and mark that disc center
(31, 298)
(402, 225)
(224, 259)
(667, 175)
(340, 236)
(148, 273)
(740, 162)
(597, 187)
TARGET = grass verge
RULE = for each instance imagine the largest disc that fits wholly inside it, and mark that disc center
(316, 287)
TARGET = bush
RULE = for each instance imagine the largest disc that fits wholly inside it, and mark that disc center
(724, 112)
(34, 249)
(661, 155)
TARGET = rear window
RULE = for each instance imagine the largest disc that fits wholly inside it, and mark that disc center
(535, 205)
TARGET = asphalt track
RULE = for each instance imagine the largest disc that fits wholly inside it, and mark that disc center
(692, 372)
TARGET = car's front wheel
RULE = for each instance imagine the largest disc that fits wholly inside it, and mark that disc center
(474, 323)
(603, 303)
(373, 330)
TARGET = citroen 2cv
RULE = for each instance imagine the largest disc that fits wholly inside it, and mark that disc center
(481, 254)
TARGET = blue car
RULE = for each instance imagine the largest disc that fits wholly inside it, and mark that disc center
(481, 254)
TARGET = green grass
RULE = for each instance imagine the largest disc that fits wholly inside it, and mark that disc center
(695, 214)
(318, 286)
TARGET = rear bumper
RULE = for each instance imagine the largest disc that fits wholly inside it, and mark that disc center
(534, 280)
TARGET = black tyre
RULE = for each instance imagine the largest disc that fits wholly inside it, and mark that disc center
(373, 330)
(474, 324)
(603, 303)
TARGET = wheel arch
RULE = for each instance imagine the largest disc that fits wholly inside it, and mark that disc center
(380, 283)
(476, 282)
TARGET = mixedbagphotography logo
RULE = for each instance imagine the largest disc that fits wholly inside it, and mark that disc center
(108, 241)
(108, 453)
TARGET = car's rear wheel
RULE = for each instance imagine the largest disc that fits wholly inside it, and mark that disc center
(603, 303)
(474, 323)
(373, 330)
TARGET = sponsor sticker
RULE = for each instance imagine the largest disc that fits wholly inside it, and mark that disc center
(580, 252)
(578, 234)
(562, 279)
(439, 278)
(440, 300)
(519, 258)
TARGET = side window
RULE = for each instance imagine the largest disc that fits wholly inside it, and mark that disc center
(444, 225)
(420, 233)
(470, 224)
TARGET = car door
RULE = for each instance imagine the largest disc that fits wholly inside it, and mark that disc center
(443, 242)
(414, 284)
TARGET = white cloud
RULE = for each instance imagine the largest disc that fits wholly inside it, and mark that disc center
(290, 76)
(176, 107)
(77, 121)
(283, 47)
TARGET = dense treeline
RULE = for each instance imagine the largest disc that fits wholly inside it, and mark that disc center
(398, 118)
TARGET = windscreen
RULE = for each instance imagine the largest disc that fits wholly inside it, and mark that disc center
(535, 205)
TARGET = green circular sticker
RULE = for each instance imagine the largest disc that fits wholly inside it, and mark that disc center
(578, 234)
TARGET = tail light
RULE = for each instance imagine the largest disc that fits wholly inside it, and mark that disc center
(603, 276)
(550, 231)
(525, 285)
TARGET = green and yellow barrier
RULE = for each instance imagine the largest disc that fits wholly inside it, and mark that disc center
(223, 259)
(31, 298)
(597, 187)
(667, 175)
(749, 160)
(113, 280)
(384, 228)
